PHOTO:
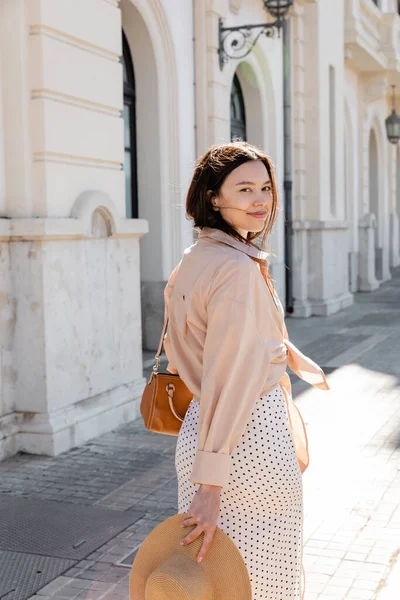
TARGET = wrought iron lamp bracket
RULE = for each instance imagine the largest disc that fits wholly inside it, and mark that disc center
(237, 39)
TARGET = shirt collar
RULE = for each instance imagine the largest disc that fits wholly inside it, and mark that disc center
(225, 238)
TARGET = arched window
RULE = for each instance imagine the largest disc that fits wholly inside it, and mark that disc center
(238, 115)
(129, 132)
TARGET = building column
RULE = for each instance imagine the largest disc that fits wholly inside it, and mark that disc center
(301, 304)
(70, 315)
(321, 281)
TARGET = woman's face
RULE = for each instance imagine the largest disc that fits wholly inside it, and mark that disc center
(245, 198)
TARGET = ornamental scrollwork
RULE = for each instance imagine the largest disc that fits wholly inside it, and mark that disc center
(238, 42)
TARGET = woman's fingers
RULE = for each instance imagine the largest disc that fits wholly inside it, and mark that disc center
(203, 515)
(192, 535)
(207, 541)
(187, 521)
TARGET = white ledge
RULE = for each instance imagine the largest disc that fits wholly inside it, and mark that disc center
(65, 229)
(93, 216)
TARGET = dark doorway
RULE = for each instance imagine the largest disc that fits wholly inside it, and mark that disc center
(130, 163)
(238, 115)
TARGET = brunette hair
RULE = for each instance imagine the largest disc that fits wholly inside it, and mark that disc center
(210, 173)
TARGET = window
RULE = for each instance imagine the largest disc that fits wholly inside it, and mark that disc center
(238, 116)
(129, 116)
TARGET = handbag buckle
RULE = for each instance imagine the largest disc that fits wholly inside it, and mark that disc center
(157, 365)
(170, 390)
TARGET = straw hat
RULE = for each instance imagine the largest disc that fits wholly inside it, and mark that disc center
(164, 570)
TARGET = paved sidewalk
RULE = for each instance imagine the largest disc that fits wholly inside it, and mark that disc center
(351, 489)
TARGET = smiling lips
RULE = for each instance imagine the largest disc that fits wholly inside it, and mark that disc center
(258, 215)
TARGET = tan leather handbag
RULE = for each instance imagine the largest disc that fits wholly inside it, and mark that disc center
(165, 398)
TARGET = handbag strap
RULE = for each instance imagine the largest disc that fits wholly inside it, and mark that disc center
(160, 346)
(164, 330)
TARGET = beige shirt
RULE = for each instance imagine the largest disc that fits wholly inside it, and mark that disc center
(228, 341)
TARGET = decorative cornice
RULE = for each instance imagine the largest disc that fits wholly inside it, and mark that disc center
(75, 101)
(82, 161)
(60, 229)
(65, 38)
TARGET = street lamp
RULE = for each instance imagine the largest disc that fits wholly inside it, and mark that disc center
(393, 122)
(239, 39)
(278, 8)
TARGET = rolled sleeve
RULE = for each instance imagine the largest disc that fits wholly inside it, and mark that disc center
(212, 468)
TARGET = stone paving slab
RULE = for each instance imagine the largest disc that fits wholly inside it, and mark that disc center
(86, 475)
(58, 529)
(351, 489)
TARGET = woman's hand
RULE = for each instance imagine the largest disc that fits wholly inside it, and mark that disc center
(203, 512)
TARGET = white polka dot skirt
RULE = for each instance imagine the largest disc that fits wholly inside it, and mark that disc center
(262, 506)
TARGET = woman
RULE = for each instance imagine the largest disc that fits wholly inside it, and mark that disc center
(235, 456)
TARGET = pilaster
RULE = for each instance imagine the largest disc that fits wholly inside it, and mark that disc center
(72, 326)
(327, 268)
(367, 279)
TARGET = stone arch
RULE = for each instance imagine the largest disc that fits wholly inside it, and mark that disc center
(349, 165)
(97, 214)
(255, 79)
(146, 28)
(375, 196)
(351, 193)
(376, 130)
(383, 224)
(252, 102)
(238, 111)
(373, 174)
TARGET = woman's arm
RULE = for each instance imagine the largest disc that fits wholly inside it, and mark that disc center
(235, 366)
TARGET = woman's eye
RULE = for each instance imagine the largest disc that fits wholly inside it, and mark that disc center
(267, 188)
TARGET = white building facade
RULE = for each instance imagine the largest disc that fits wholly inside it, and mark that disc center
(104, 107)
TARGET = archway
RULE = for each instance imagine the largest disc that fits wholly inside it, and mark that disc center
(238, 113)
(350, 197)
(374, 197)
(254, 78)
(152, 51)
(130, 157)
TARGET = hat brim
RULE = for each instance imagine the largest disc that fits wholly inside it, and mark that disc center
(223, 563)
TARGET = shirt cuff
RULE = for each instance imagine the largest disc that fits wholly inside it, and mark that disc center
(211, 468)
